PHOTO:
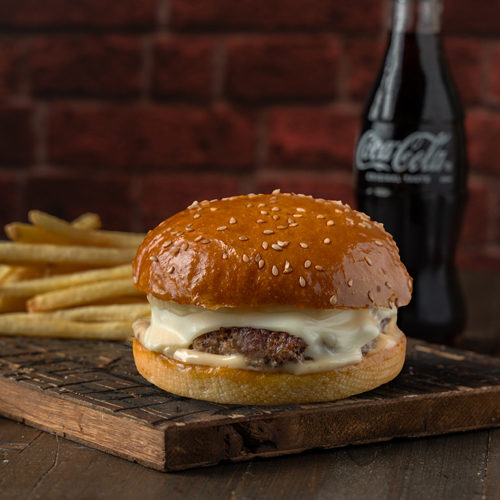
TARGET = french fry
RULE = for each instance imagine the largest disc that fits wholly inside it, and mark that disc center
(26, 233)
(82, 294)
(31, 326)
(83, 237)
(29, 288)
(33, 253)
(92, 314)
(87, 221)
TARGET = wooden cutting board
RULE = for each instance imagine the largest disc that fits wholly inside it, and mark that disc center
(91, 393)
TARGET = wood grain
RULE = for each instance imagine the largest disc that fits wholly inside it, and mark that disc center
(91, 393)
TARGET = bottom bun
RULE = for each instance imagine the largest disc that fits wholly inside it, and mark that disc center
(236, 386)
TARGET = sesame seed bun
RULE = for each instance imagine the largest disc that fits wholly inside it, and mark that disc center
(272, 250)
(279, 249)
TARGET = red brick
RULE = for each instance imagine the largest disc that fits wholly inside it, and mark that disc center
(10, 59)
(84, 13)
(365, 17)
(282, 68)
(8, 200)
(478, 258)
(475, 224)
(183, 68)
(483, 131)
(76, 65)
(464, 59)
(494, 75)
(329, 187)
(150, 136)
(466, 17)
(163, 196)
(68, 197)
(364, 60)
(16, 135)
(312, 137)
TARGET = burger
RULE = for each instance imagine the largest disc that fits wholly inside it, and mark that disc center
(268, 300)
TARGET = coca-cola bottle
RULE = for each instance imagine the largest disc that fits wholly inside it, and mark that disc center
(411, 167)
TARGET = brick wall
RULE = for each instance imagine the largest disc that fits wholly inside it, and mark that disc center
(134, 108)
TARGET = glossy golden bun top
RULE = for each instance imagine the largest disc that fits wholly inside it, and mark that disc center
(278, 249)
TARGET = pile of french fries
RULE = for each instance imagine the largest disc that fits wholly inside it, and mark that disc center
(68, 280)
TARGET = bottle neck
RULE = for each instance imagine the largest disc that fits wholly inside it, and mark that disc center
(416, 16)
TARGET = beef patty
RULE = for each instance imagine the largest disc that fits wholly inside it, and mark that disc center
(259, 347)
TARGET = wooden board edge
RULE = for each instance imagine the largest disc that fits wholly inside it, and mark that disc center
(283, 435)
(98, 428)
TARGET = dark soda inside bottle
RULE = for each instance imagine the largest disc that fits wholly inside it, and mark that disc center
(411, 168)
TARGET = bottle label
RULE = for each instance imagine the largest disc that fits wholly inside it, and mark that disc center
(416, 159)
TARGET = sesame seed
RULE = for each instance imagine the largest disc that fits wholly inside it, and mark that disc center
(290, 220)
(257, 257)
(263, 212)
(213, 209)
(390, 304)
(303, 245)
(396, 302)
(265, 245)
(261, 264)
(153, 258)
(294, 225)
(379, 243)
(243, 238)
(276, 247)
(307, 264)
(277, 191)
(189, 225)
(222, 228)
(300, 209)
(326, 240)
(198, 238)
(260, 221)
(170, 270)
(320, 216)
(319, 268)
(276, 217)
(260, 205)
(330, 223)
(388, 284)
(369, 261)
(249, 205)
(275, 271)
(349, 222)
(281, 227)
(333, 300)
(283, 243)
(246, 258)
(276, 209)
(167, 244)
(287, 264)
(268, 231)
(409, 284)
(185, 246)
(224, 255)
(189, 229)
(370, 296)
(174, 251)
(288, 270)
(196, 216)
(302, 282)
(232, 220)
(338, 210)
(205, 241)
(350, 282)
(297, 216)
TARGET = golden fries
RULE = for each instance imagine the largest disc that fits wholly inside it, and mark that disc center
(73, 278)
(30, 325)
(29, 288)
(38, 253)
(83, 294)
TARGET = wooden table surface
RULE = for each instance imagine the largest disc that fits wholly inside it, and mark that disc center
(37, 465)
